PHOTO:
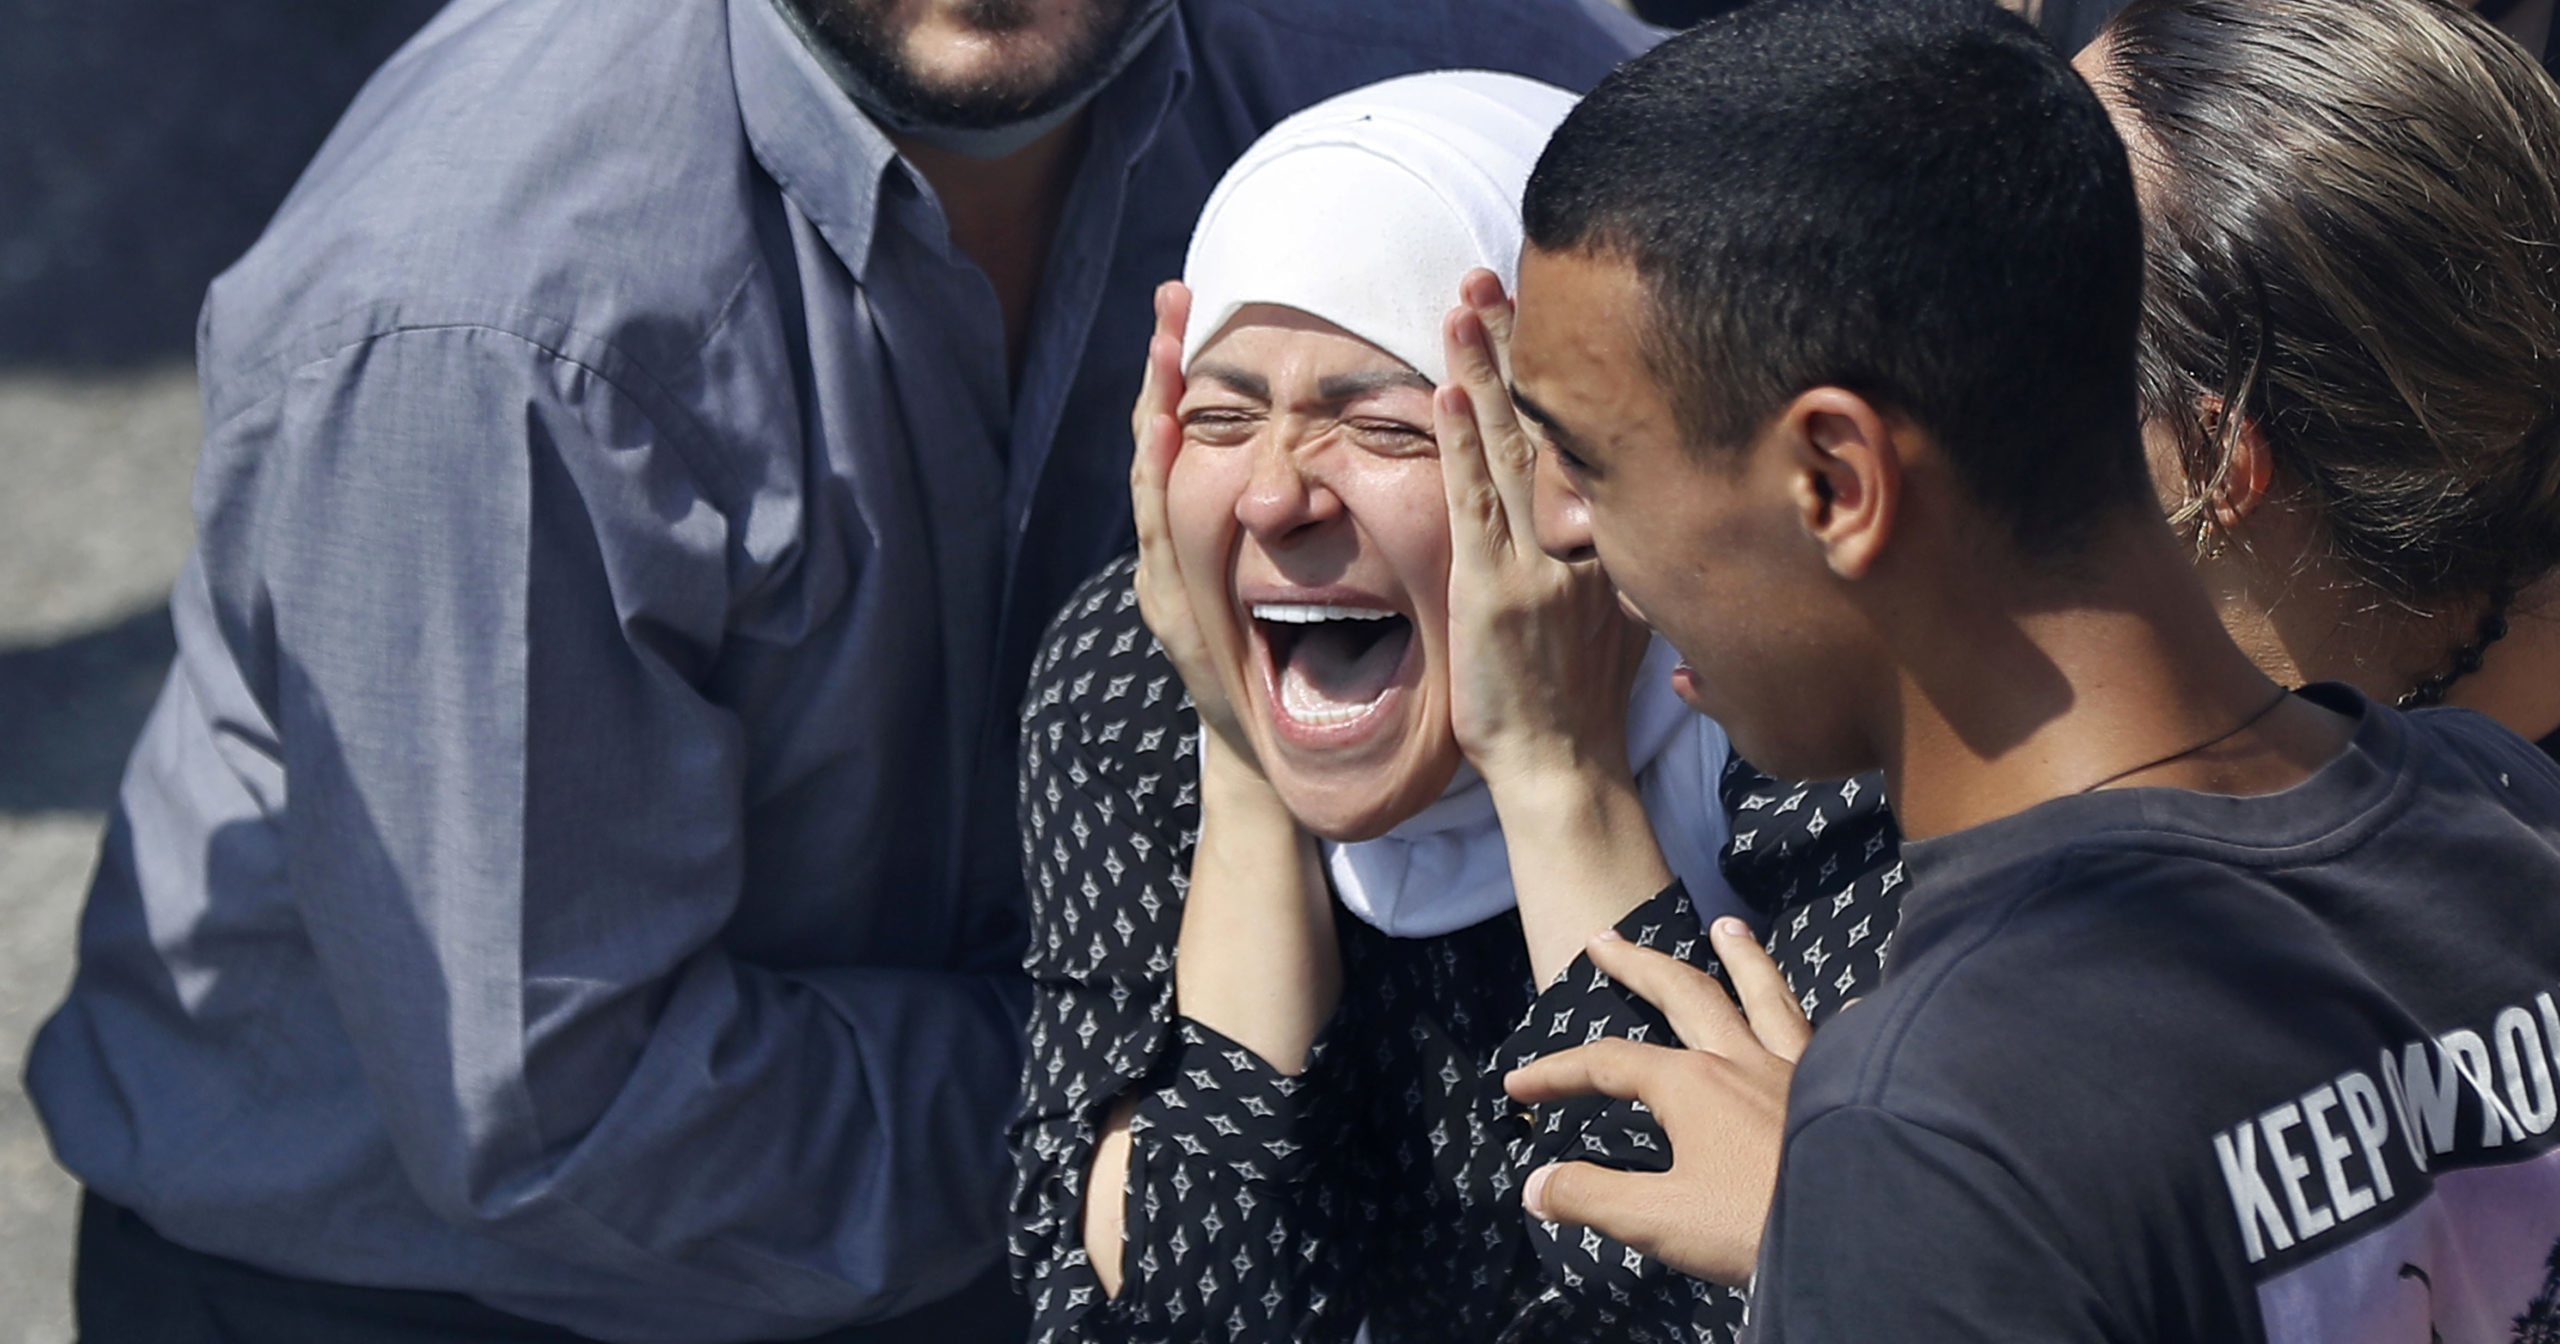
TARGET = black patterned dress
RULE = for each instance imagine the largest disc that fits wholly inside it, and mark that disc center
(1381, 1185)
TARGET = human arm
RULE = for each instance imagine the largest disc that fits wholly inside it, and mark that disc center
(1541, 662)
(491, 583)
(1822, 862)
(1578, 1283)
(1880, 1226)
(1257, 960)
(1133, 1119)
(1257, 963)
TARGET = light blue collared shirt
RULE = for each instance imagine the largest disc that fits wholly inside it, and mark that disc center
(572, 862)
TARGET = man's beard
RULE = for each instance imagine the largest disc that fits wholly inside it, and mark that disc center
(859, 35)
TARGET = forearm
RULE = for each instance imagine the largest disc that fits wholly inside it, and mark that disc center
(887, 1090)
(1257, 961)
(1582, 855)
(1105, 1204)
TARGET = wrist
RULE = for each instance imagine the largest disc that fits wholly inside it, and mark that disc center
(1553, 760)
(1556, 788)
(1583, 855)
(1232, 786)
(1256, 959)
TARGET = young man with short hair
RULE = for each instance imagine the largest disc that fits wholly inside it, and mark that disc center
(2215, 1012)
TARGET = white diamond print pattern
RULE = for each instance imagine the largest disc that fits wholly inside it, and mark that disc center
(1381, 1185)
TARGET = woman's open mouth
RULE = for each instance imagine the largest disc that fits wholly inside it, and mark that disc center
(1332, 669)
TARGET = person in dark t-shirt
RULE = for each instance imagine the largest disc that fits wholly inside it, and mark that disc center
(2388, 513)
(2216, 1011)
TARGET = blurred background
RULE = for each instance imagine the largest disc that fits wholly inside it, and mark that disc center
(143, 144)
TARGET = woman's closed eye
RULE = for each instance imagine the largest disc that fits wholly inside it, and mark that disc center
(1222, 425)
(1391, 438)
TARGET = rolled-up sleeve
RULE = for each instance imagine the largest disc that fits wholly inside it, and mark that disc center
(495, 587)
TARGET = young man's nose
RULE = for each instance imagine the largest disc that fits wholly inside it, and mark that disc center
(1560, 517)
(1284, 494)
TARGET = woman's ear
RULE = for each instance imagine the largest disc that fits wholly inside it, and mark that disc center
(2246, 472)
(1845, 475)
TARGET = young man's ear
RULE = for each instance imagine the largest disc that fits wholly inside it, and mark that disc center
(1846, 476)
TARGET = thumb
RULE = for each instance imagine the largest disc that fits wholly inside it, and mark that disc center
(1630, 1206)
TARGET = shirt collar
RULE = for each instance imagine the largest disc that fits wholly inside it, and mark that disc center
(1133, 110)
(833, 162)
(826, 156)
(2364, 786)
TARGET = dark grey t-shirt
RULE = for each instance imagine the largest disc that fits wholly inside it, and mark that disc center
(2160, 1065)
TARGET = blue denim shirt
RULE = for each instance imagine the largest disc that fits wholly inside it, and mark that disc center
(572, 862)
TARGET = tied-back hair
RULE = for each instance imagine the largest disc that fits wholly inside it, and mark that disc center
(1917, 200)
(2353, 239)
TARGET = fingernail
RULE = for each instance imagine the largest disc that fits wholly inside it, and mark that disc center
(1608, 936)
(1533, 1196)
(1731, 927)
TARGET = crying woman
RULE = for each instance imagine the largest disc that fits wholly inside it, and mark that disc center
(1280, 959)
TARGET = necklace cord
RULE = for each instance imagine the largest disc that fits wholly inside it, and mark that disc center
(2214, 741)
(2466, 660)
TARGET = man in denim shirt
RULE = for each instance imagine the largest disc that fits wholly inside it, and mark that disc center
(568, 883)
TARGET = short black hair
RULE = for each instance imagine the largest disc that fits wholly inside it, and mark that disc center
(1917, 200)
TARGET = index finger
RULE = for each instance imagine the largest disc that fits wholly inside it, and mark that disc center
(1612, 1066)
(1173, 309)
(1696, 1006)
(1510, 459)
(1160, 385)
(1479, 526)
(1776, 1016)
(1482, 290)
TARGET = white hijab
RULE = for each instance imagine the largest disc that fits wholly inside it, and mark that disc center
(1365, 210)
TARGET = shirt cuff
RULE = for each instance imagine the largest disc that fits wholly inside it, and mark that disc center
(1223, 1104)
(1585, 1005)
(1582, 1006)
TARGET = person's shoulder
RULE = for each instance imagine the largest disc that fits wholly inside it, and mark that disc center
(1331, 46)
(1106, 709)
(1099, 616)
(1097, 660)
(2038, 968)
(555, 169)
(2469, 751)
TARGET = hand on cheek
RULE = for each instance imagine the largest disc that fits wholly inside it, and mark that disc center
(1174, 603)
(1541, 661)
(1541, 656)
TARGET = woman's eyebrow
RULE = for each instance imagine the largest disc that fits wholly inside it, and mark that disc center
(1241, 381)
(1343, 387)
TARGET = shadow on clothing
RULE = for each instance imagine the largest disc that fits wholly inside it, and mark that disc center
(137, 1287)
(143, 145)
(70, 710)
